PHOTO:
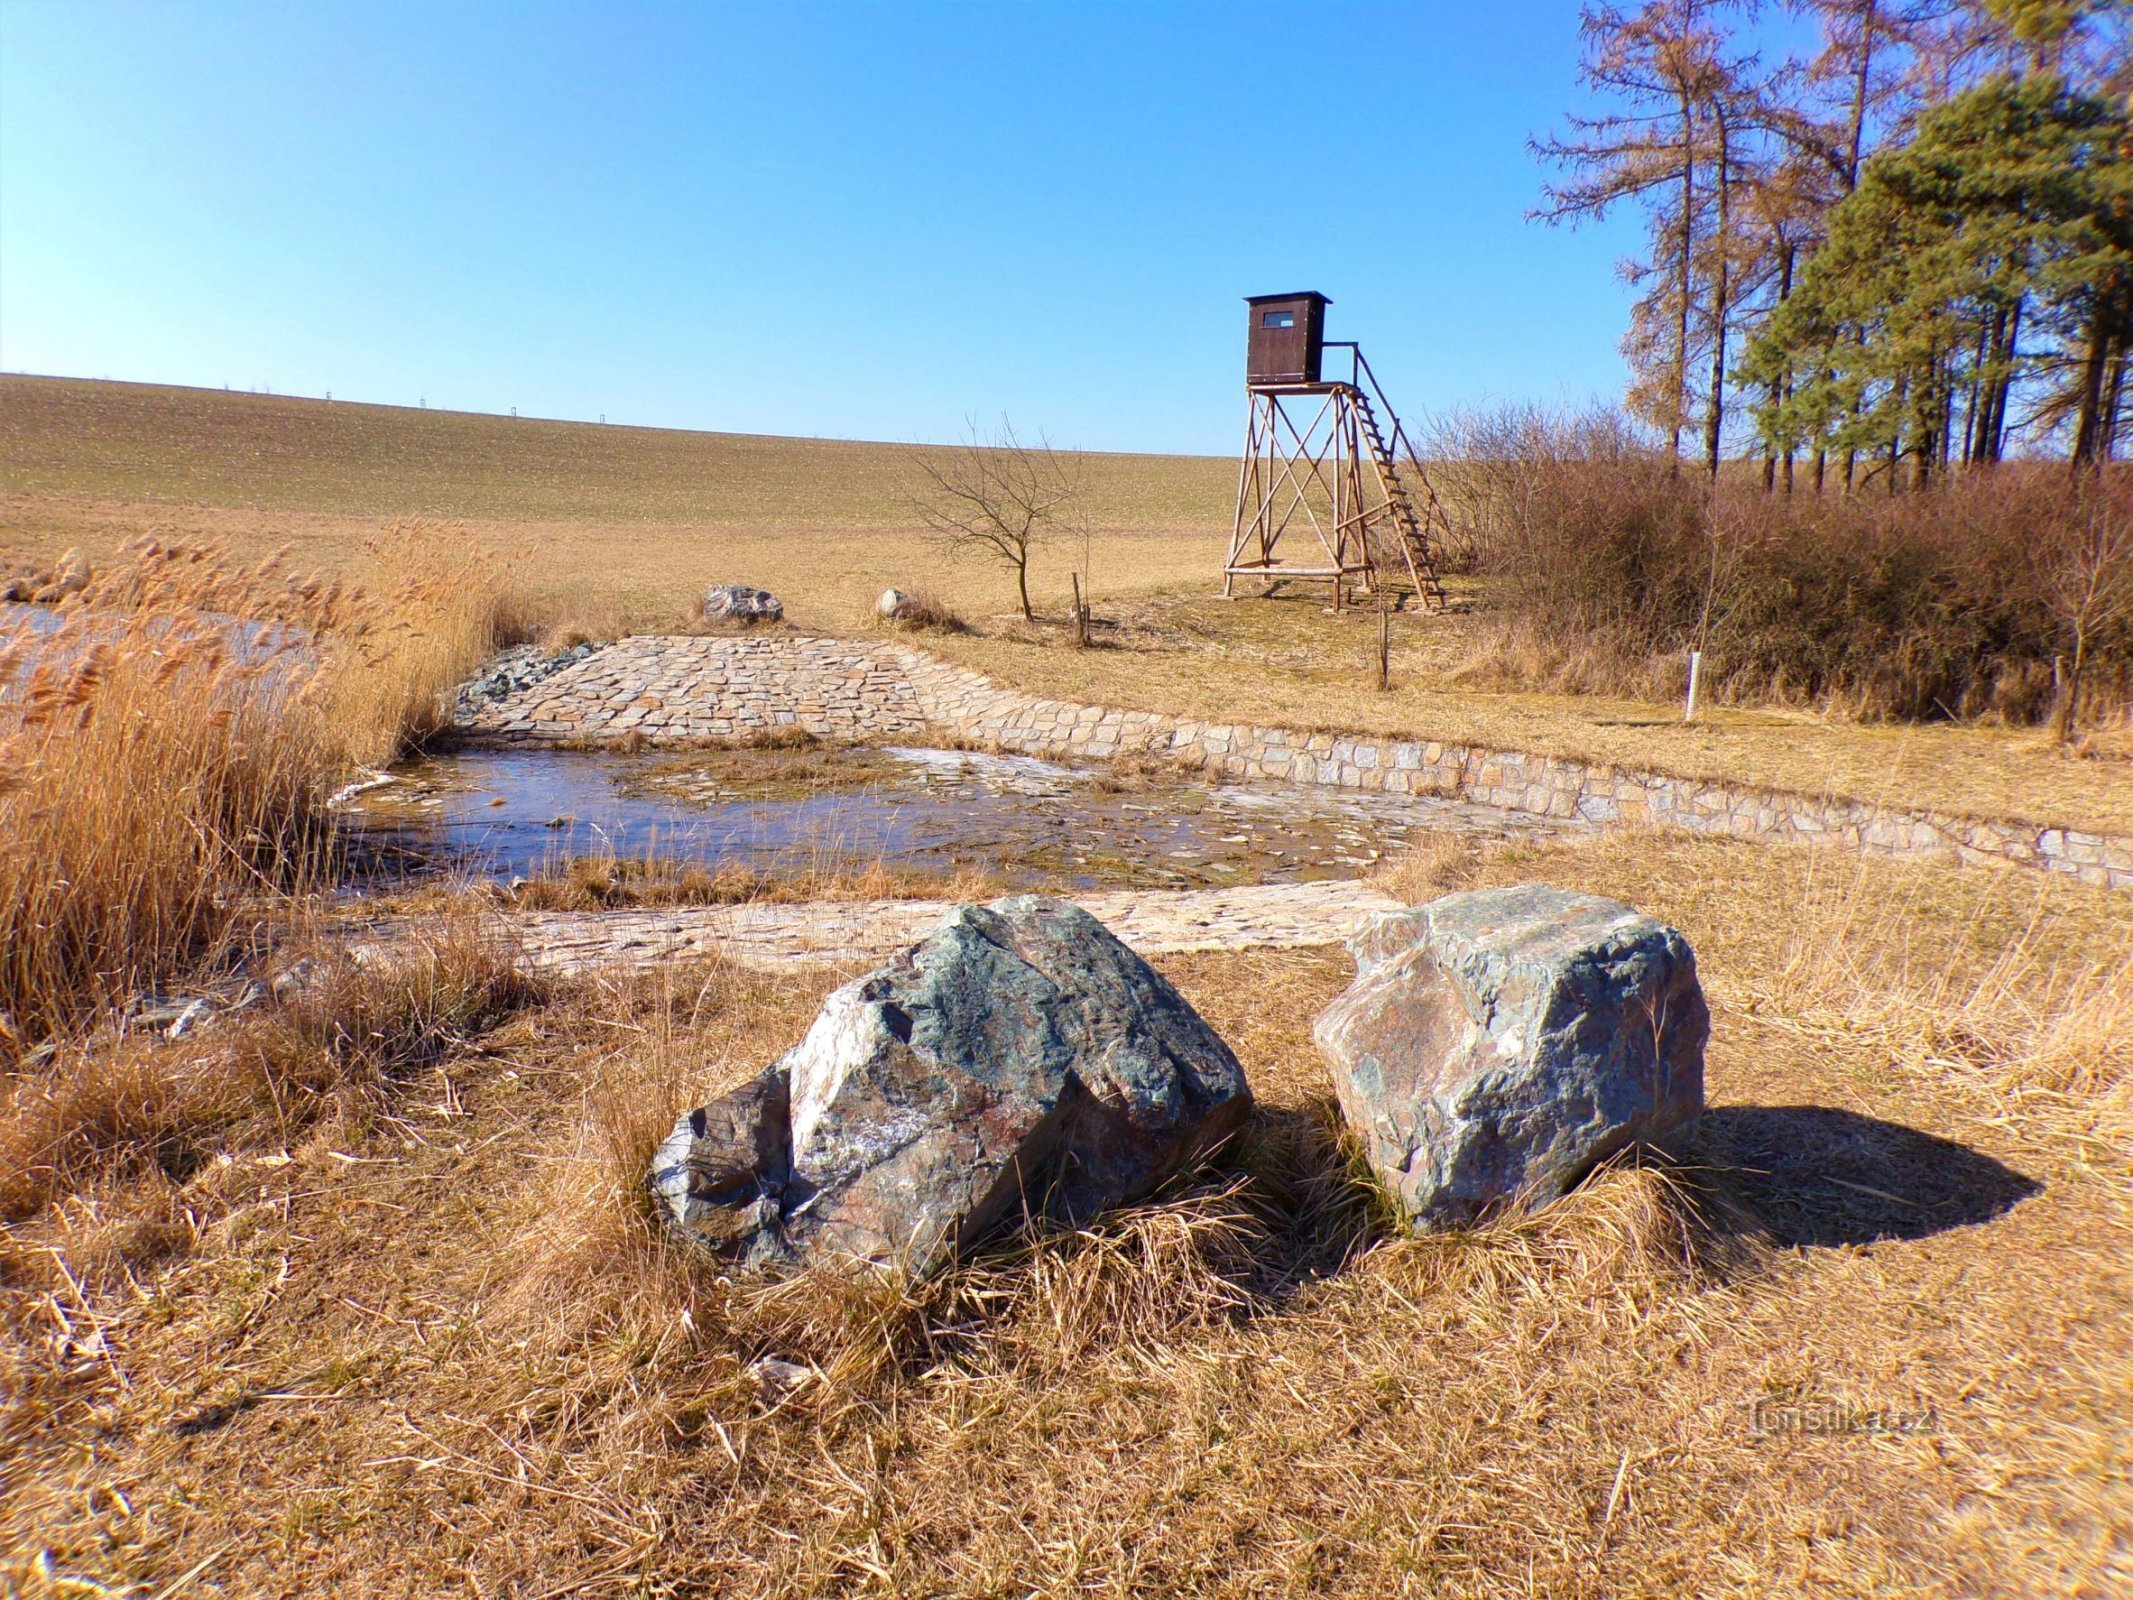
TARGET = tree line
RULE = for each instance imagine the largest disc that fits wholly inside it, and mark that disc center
(1902, 248)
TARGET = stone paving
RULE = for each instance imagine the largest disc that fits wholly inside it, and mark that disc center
(680, 689)
(675, 689)
(859, 933)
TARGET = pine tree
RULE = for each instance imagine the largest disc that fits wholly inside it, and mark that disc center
(2003, 218)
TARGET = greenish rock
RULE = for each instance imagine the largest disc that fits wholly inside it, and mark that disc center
(1496, 1045)
(1018, 1063)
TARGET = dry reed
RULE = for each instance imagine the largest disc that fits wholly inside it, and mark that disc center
(170, 737)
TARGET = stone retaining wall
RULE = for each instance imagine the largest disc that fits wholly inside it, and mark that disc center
(690, 688)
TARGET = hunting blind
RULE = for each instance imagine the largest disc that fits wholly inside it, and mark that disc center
(1323, 467)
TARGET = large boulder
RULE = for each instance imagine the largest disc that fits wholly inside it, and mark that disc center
(1019, 1061)
(1496, 1045)
(736, 602)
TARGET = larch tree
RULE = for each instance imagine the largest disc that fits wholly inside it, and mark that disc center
(1947, 313)
(1673, 138)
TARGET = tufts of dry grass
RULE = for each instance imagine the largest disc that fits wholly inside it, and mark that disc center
(923, 611)
(605, 883)
(121, 1105)
(1435, 864)
(170, 738)
(465, 1359)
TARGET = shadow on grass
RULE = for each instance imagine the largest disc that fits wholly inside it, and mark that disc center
(1753, 1178)
(1816, 1175)
(1288, 1205)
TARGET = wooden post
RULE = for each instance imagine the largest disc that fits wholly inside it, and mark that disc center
(1384, 643)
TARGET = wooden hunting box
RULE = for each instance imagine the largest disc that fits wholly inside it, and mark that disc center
(1288, 338)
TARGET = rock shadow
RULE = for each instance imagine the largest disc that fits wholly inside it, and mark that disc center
(1816, 1175)
(1316, 1208)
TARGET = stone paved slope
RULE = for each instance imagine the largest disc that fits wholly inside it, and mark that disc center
(674, 689)
(860, 932)
(720, 688)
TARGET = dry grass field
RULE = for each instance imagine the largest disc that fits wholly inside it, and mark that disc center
(357, 1291)
(402, 1327)
(620, 528)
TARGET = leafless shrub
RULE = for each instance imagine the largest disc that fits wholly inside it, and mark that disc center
(1610, 565)
(999, 498)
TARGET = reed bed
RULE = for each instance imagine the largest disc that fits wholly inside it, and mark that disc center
(170, 737)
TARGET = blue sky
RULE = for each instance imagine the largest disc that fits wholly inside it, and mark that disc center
(850, 220)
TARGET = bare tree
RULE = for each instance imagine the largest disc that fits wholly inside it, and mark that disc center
(2085, 573)
(998, 498)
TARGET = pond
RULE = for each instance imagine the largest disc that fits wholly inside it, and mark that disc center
(504, 813)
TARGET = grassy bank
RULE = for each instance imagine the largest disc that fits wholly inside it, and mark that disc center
(419, 1337)
(622, 528)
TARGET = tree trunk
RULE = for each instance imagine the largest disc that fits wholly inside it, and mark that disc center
(1977, 387)
(2007, 332)
(2088, 428)
(1784, 382)
(1944, 422)
(2069, 691)
(1685, 281)
(1721, 285)
(2114, 400)
(1860, 80)
(1022, 587)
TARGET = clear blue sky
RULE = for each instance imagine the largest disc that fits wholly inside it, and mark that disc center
(862, 221)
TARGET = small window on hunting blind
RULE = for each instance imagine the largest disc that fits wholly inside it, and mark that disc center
(1278, 319)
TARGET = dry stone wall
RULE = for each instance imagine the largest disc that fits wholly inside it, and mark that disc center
(677, 689)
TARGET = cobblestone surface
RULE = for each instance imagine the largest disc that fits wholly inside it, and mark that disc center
(672, 690)
(859, 933)
(721, 688)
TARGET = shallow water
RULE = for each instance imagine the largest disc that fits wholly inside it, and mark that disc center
(506, 813)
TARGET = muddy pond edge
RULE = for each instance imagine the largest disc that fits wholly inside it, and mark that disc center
(656, 689)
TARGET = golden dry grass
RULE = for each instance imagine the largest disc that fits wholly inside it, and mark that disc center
(601, 883)
(358, 1294)
(429, 1343)
(622, 528)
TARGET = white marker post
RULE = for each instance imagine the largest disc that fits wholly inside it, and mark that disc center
(1695, 674)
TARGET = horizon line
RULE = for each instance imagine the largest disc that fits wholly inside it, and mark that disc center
(423, 408)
